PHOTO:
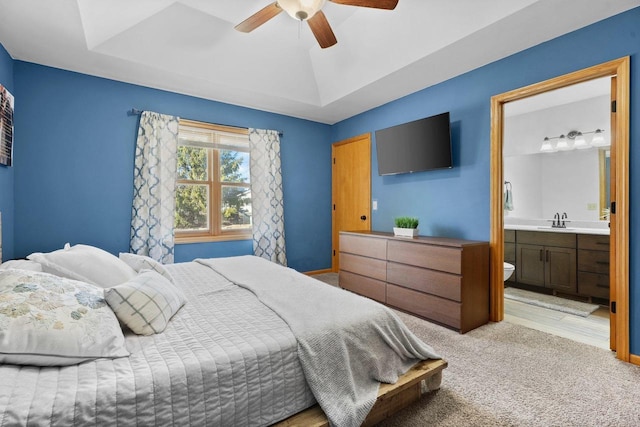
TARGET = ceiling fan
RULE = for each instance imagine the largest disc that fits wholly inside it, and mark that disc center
(310, 11)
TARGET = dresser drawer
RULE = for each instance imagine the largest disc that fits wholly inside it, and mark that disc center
(593, 261)
(367, 246)
(371, 267)
(593, 284)
(546, 238)
(441, 284)
(372, 288)
(593, 241)
(427, 256)
(424, 305)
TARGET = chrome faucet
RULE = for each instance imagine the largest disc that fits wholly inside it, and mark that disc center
(556, 224)
(564, 219)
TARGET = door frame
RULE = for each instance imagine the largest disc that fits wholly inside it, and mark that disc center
(334, 189)
(620, 248)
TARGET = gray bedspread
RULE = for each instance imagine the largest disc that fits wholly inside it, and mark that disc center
(347, 344)
(224, 360)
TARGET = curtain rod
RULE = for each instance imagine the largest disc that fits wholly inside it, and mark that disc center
(136, 112)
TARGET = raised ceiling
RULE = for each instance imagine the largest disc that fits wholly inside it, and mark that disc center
(191, 47)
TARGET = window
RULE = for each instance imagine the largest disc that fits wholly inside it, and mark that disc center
(213, 194)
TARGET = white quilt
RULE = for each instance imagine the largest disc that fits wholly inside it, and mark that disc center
(347, 344)
(224, 360)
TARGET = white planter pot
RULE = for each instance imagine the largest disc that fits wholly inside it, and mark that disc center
(405, 232)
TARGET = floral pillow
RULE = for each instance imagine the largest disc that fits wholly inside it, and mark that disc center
(141, 262)
(46, 320)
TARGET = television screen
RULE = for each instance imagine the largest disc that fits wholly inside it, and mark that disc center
(416, 146)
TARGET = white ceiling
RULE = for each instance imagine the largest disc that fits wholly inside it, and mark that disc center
(191, 47)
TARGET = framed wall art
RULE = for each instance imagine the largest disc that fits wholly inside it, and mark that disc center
(6, 126)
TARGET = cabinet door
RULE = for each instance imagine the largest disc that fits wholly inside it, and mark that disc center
(530, 261)
(561, 269)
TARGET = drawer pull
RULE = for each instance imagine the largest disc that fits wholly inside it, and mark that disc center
(602, 243)
(602, 286)
(602, 262)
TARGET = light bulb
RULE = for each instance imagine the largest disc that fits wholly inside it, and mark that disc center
(598, 139)
(562, 144)
(580, 142)
(547, 147)
(301, 10)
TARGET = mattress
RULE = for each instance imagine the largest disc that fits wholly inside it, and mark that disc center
(224, 360)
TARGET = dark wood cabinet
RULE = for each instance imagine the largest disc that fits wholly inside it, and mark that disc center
(510, 251)
(576, 264)
(593, 265)
(530, 261)
(440, 279)
(547, 259)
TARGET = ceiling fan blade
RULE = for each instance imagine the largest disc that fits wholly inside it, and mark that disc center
(377, 4)
(259, 18)
(322, 30)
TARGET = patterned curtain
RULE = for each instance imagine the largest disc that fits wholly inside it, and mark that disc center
(266, 196)
(154, 184)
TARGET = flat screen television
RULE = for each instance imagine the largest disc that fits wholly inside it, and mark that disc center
(416, 146)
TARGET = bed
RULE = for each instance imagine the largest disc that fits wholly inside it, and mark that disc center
(236, 354)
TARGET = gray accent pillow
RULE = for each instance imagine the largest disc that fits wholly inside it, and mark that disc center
(145, 303)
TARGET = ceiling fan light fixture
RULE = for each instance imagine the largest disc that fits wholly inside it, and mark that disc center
(301, 10)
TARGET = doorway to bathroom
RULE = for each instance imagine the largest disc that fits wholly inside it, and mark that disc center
(565, 255)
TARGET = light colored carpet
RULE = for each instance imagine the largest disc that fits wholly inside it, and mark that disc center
(503, 374)
(549, 301)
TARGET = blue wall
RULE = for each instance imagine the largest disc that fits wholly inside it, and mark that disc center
(7, 173)
(74, 165)
(455, 202)
(74, 154)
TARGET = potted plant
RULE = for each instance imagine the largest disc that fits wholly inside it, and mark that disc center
(406, 226)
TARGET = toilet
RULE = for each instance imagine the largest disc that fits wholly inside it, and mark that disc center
(508, 270)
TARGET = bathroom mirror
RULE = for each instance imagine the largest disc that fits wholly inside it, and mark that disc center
(575, 181)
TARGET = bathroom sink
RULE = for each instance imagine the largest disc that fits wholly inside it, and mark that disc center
(548, 227)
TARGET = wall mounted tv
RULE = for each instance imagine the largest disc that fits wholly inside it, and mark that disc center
(416, 146)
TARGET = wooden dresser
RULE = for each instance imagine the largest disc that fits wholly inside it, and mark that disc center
(440, 279)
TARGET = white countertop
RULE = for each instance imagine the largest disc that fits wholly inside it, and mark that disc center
(548, 228)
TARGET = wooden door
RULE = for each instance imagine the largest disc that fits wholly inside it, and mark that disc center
(612, 220)
(560, 269)
(351, 189)
(530, 262)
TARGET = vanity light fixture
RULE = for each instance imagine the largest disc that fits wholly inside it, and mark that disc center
(573, 140)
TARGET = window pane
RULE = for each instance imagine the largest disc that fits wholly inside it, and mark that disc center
(192, 163)
(234, 166)
(192, 207)
(236, 208)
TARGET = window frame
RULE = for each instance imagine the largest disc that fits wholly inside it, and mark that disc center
(215, 233)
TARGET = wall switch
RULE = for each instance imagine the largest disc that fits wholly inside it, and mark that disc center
(592, 206)
(374, 205)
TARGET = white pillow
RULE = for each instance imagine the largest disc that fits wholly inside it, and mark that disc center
(146, 303)
(85, 263)
(21, 264)
(47, 320)
(141, 262)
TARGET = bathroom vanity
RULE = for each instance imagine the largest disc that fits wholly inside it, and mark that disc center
(566, 261)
